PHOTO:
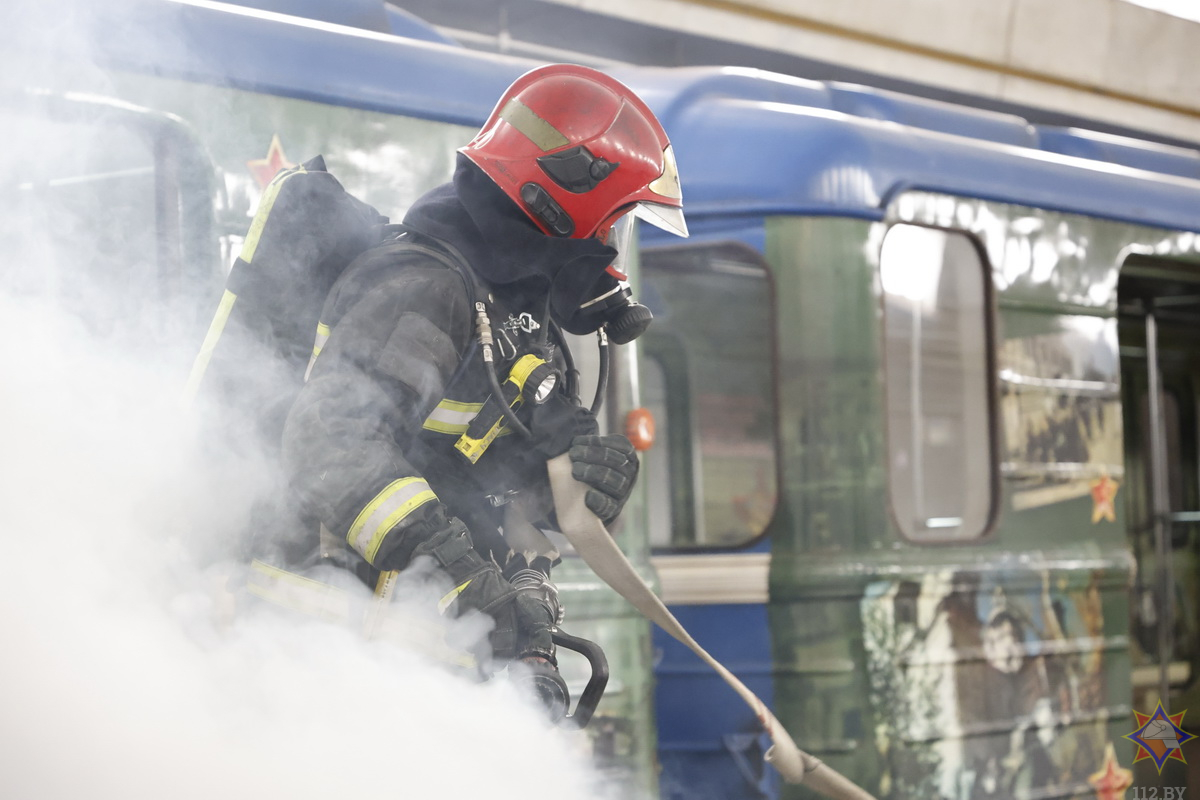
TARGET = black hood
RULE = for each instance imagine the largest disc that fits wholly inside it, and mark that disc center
(508, 252)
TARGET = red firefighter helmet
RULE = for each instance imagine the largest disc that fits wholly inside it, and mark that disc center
(577, 150)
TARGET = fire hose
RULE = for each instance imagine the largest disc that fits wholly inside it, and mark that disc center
(588, 536)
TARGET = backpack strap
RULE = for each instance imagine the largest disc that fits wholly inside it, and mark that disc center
(442, 251)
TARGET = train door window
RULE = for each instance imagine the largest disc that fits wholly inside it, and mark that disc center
(709, 376)
(99, 227)
(936, 321)
(656, 462)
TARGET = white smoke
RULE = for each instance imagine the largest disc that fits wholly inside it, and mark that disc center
(118, 678)
(122, 674)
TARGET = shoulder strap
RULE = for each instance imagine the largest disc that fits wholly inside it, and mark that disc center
(442, 251)
(447, 254)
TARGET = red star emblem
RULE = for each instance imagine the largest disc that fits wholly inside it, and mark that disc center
(1104, 491)
(1112, 780)
(263, 169)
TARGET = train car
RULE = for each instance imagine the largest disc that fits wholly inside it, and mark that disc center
(905, 365)
(924, 379)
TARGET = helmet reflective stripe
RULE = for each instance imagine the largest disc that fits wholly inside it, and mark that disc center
(451, 416)
(398, 500)
(667, 184)
(536, 129)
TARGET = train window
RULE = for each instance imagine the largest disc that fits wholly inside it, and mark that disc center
(99, 217)
(710, 381)
(936, 338)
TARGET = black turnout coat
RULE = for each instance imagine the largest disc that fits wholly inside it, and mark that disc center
(369, 444)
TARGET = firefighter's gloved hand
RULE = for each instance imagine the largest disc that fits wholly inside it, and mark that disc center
(609, 466)
(523, 624)
(556, 423)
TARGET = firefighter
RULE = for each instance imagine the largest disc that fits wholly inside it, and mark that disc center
(397, 446)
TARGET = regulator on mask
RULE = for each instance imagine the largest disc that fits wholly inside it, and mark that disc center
(610, 311)
(613, 308)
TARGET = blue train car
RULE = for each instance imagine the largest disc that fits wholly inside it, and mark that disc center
(925, 380)
(906, 364)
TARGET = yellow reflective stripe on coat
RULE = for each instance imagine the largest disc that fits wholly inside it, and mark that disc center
(298, 593)
(200, 365)
(318, 345)
(398, 500)
(451, 416)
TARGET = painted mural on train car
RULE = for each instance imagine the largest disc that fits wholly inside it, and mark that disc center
(991, 685)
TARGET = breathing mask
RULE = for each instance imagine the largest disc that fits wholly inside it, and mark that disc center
(611, 305)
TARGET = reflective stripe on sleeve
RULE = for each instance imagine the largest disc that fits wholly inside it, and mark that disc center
(398, 500)
(318, 345)
(451, 416)
(298, 593)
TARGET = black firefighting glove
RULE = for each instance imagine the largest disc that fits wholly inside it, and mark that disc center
(556, 423)
(524, 622)
(609, 465)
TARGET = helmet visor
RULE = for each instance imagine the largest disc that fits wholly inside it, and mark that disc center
(620, 236)
(668, 218)
(619, 233)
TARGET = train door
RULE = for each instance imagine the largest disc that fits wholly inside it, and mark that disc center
(1160, 377)
(707, 376)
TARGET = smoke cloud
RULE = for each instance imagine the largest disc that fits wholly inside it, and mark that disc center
(123, 671)
(120, 676)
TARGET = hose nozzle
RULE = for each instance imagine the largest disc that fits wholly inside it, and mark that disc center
(542, 682)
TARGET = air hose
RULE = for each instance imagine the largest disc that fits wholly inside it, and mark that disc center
(605, 366)
(597, 548)
(486, 343)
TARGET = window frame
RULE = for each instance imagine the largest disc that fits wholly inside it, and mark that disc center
(680, 512)
(186, 263)
(991, 391)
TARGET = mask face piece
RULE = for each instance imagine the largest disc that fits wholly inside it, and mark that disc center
(611, 300)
